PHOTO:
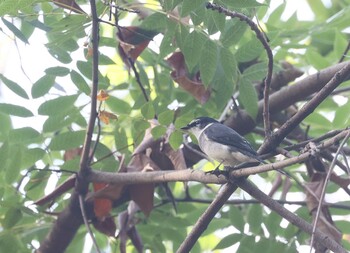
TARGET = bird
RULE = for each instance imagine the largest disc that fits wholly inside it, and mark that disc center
(222, 143)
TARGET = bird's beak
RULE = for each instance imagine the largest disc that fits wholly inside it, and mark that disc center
(185, 128)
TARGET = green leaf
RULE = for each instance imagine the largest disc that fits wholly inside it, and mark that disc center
(147, 110)
(341, 117)
(58, 122)
(256, 72)
(57, 71)
(105, 60)
(6, 123)
(254, 218)
(175, 139)
(12, 217)
(166, 117)
(80, 82)
(272, 223)
(85, 68)
(23, 135)
(190, 5)
(13, 166)
(67, 140)
(215, 22)
(340, 44)
(158, 131)
(9, 242)
(228, 241)
(248, 97)
(192, 49)
(208, 62)
(43, 85)
(15, 110)
(14, 87)
(235, 216)
(60, 54)
(57, 105)
(233, 32)
(242, 3)
(249, 51)
(118, 106)
(316, 59)
(31, 156)
(4, 155)
(15, 31)
(228, 64)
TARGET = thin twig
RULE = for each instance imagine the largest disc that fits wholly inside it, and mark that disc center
(87, 225)
(261, 36)
(345, 53)
(85, 159)
(324, 188)
(81, 182)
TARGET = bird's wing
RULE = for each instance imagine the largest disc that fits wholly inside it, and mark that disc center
(231, 138)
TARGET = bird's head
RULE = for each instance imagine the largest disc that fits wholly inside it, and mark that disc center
(197, 125)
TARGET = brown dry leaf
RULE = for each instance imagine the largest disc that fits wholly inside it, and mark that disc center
(106, 116)
(142, 194)
(72, 153)
(70, 5)
(89, 52)
(106, 226)
(132, 41)
(102, 95)
(193, 86)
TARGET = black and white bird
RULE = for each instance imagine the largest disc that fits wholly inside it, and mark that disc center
(221, 143)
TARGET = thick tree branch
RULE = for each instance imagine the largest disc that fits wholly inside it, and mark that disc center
(286, 97)
(306, 110)
(70, 219)
(64, 229)
(202, 223)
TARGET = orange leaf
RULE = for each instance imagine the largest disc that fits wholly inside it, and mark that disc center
(102, 206)
(102, 95)
(106, 116)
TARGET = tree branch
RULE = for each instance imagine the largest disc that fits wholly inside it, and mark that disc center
(202, 223)
(292, 218)
(286, 97)
(200, 176)
(308, 108)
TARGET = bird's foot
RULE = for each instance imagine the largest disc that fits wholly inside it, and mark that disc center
(218, 172)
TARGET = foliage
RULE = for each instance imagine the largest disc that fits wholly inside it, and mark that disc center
(190, 61)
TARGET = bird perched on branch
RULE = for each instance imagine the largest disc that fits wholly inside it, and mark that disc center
(221, 143)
